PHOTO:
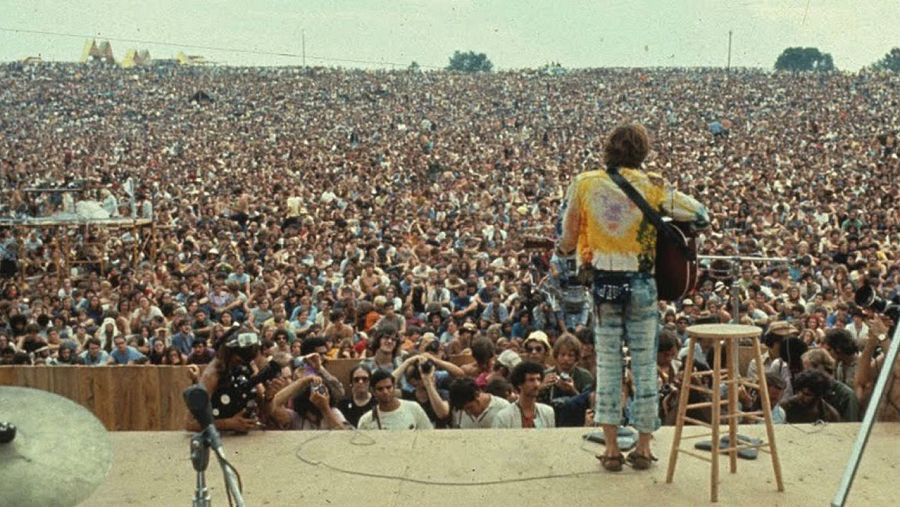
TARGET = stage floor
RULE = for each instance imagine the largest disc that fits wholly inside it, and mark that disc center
(484, 467)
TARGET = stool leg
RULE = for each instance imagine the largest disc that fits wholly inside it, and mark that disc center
(733, 375)
(767, 412)
(682, 408)
(715, 420)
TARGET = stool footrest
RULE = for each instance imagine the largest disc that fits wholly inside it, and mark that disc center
(742, 414)
(744, 446)
(700, 389)
(698, 422)
(747, 383)
(694, 454)
(704, 404)
(698, 435)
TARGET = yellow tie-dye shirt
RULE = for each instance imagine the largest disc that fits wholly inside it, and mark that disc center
(606, 230)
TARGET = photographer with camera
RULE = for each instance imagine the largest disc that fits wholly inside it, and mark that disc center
(312, 363)
(235, 380)
(313, 406)
(429, 377)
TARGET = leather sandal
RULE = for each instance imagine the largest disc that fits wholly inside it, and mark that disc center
(639, 461)
(612, 463)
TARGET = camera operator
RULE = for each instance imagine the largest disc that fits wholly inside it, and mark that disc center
(313, 406)
(429, 385)
(234, 380)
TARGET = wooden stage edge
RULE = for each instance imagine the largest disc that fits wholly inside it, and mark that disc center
(493, 467)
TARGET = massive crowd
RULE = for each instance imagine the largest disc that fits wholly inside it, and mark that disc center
(390, 217)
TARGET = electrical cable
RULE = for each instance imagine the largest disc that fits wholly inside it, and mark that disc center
(369, 440)
(226, 467)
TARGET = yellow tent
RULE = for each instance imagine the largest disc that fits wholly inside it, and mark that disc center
(90, 49)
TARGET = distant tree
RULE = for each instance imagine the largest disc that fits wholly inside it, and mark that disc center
(804, 59)
(891, 61)
(470, 62)
(414, 67)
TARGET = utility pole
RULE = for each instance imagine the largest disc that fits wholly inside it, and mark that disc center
(303, 45)
(728, 68)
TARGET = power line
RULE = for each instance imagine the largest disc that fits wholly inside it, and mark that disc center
(213, 48)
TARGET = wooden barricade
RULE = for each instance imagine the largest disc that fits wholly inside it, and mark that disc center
(124, 398)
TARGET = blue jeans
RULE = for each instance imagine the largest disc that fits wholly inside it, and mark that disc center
(636, 323)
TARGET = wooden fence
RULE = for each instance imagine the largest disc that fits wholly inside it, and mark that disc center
(135, 398)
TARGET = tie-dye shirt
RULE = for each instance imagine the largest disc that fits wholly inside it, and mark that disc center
(605, 229)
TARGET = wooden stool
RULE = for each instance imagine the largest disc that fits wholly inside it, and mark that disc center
(730, 334)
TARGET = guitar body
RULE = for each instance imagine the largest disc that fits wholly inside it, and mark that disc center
(676, 273)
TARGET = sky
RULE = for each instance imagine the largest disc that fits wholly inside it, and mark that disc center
(513, 33)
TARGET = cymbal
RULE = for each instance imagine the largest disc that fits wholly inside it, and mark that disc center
(60, 453)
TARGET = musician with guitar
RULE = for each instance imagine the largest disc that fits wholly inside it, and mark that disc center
(610, 223)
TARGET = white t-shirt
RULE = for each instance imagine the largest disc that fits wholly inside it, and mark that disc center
(408, 416)
(305, 424)
(462, 420)
(511, 417)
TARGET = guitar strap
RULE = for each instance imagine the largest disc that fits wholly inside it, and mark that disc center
(649, 212)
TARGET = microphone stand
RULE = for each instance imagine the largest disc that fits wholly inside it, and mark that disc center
(197, 400)
(200, 460)
(200, 445)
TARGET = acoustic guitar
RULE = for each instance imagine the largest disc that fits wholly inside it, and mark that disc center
(676, 260)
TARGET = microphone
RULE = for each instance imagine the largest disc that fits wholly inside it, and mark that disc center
(197, 400)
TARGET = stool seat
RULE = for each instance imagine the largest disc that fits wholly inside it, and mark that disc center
(723, 331)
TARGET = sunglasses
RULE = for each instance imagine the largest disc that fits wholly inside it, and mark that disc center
(534, 350)
(361, 379)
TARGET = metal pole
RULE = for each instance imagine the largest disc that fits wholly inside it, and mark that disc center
(729, 51)
(303, 42)
(887, 370)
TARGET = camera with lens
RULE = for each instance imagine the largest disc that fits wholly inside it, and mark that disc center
(427, 366)
(321, 389)
(236, 390)
(565, 377)
(666, 390)
(866, 297)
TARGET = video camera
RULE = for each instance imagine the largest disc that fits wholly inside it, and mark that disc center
(235, 391)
